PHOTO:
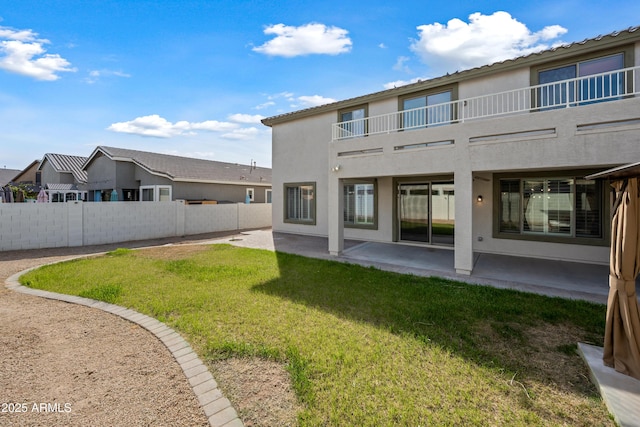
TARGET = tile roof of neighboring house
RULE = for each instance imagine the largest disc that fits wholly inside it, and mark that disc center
(6, 175)
(68, 164)
(33, 164)
(615, 38)
(177, 168)
(62, 187)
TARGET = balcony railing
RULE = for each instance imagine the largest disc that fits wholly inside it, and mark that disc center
(561, 94)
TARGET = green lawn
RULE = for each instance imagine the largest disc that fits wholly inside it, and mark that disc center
(363, 346)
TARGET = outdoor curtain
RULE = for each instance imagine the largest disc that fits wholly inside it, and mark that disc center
(622, 334)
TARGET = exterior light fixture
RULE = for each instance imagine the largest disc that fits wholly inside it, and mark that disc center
(336, 168)
(479, 198)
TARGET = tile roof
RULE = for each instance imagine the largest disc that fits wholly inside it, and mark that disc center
(6, 175)
(604, 40)
(188, 169)
(62, 187)
(68, 164)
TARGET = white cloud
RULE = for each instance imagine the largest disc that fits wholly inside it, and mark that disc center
(95, 75)
(265, 105)
(159, 127)
(287, 95)
(21, 52)
(398, 83)
(246, 118)
(315, 100)
(305, 40)
(485, 39)
(242, 134)
(400, 64)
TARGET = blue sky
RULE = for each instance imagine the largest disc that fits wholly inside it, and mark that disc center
(193, 78)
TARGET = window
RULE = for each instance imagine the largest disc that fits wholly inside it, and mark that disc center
(360, 204)
(352, 122)
(130, 195)
(267, 196)
(562, 207)
(581, 88)
(300, 203)
(430, 109)
(147, 194)
(151, 193)
(250, 194)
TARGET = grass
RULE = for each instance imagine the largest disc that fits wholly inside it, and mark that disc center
(362, 346)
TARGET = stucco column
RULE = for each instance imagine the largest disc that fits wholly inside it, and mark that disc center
(463, 182)
(335, 210)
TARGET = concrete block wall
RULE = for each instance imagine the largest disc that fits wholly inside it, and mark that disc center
(33, 226)
(254, 215)
(124, 221)
(210, 218)
(50, 225)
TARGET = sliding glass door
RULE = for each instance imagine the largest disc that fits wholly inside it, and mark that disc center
(442, 213)
(426, 212)
(413, 212)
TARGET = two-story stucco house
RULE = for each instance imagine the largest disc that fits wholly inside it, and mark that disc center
(487, 160)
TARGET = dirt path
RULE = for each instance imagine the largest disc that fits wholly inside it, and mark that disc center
(64, 364)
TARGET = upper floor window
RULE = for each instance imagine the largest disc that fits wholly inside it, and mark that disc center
(352, 122)
(575, 84)
(429, 109)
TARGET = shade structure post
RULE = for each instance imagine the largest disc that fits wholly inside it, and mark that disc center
(622, 333)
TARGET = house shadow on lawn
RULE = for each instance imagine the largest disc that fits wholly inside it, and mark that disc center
(530, 334)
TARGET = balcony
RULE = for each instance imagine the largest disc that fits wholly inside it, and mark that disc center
(576, 92)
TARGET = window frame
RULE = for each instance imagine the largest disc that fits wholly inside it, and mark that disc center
(452, 88)
(628, 60)
(521, 234)
(354, 182)
(365, 130)
(312, 210)
(251, 193)
(268, 195)
(157, 192)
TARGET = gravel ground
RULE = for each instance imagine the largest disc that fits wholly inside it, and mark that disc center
(64, 364)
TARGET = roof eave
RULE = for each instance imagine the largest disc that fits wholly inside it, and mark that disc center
(213, 181)
(630, 170)
(618, 38)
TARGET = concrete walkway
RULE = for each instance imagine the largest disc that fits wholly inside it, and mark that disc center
(588, 282)
(552, 278)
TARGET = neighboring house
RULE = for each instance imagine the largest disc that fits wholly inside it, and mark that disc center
(29, 175)
(6, 175)
(63, 177)
(487, 160)
(144, 176)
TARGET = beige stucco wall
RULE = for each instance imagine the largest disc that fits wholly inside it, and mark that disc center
(303, 152)
(301, 155)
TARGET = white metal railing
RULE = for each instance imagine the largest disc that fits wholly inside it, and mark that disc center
(561, 94)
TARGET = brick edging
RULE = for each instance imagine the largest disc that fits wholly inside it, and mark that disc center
(216, 407)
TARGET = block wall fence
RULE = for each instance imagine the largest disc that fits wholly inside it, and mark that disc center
(52, 225)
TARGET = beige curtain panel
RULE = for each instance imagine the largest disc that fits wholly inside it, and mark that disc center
(622, 334)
